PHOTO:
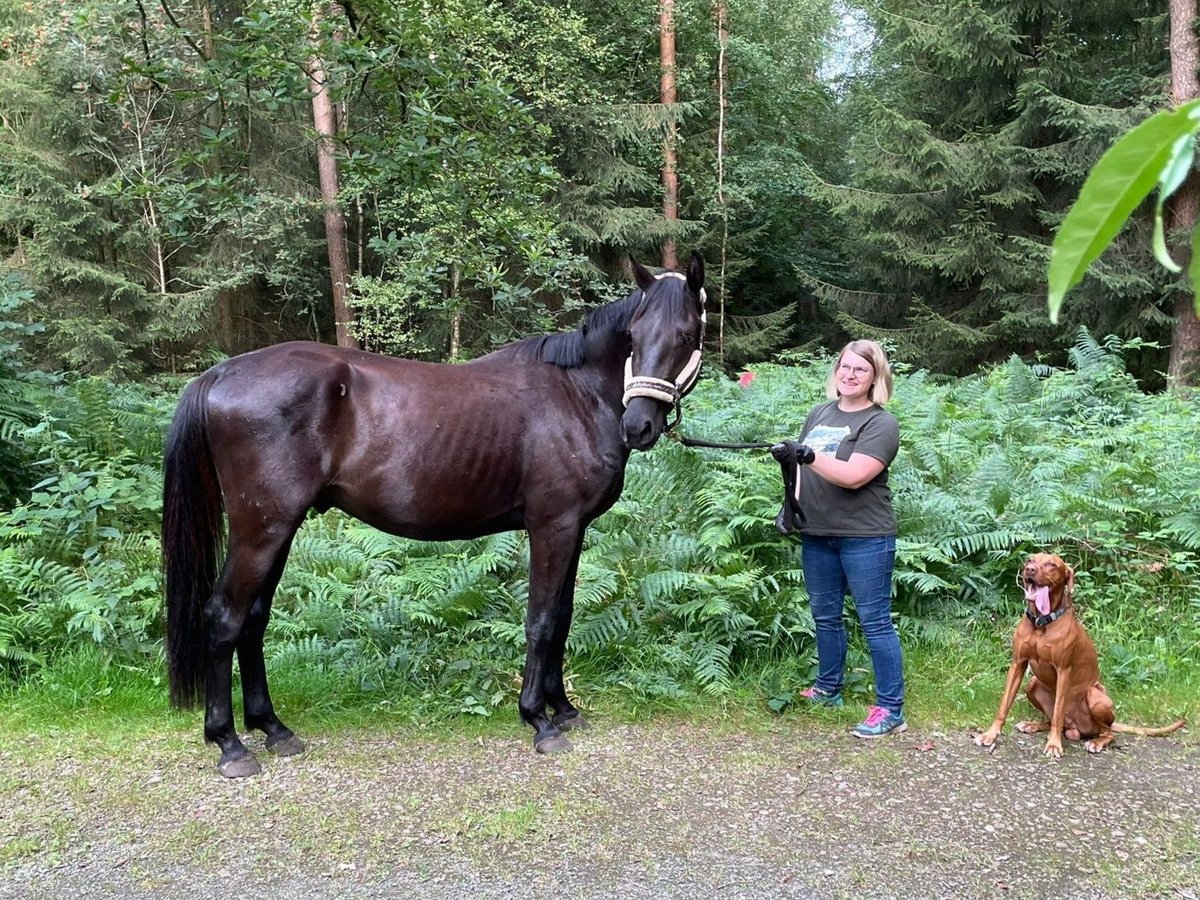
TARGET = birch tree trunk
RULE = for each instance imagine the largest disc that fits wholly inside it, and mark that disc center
(226, 318)
(325, 123)
(1183, 367)
(722, 104)
(455, 313)
(670, 174)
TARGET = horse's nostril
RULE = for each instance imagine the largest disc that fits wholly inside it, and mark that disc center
(638, 435)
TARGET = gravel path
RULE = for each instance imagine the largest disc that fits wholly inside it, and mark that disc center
(797, 809)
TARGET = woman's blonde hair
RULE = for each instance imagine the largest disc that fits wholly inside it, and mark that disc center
(881, 382)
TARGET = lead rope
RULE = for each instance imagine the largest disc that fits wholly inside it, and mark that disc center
(724, 445)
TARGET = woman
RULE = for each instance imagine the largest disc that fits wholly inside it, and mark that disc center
(849, 529)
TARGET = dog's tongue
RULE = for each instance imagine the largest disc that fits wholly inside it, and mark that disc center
(1040, 597)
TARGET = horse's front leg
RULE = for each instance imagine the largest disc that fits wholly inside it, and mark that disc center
(552, 556)
(566, 716)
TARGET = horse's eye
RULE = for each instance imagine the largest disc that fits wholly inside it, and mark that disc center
(688, 340)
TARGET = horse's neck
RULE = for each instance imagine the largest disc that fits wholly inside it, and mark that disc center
(606, 356)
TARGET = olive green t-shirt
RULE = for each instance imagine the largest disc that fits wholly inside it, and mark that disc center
(831, 510)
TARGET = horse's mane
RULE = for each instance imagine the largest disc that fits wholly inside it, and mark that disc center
(568, 349)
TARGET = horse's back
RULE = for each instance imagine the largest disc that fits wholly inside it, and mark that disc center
(420, 449)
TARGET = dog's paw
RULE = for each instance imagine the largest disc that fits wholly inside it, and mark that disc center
(987, 739)
(1054, 749)
(1031, 727)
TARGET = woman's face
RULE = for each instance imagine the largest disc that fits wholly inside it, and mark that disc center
(854, 377)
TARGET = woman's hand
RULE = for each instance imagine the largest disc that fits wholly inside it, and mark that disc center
(792, 451)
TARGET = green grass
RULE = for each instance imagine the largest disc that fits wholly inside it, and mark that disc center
(962, 689)
(84, 695)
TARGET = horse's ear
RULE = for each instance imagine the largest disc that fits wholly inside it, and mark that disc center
(641, 274)
(695, 273)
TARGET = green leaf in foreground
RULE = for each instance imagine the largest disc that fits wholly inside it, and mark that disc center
(1175, 173)
(1118, 182)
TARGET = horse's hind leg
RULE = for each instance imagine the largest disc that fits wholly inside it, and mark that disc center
(257, 708)
(566, 716)
(247, 570)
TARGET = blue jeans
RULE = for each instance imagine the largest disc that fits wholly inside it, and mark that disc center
(862, 565)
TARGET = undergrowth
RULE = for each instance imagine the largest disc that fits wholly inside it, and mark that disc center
(686, 594)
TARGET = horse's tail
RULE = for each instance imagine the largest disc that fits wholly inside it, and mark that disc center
(192, 535)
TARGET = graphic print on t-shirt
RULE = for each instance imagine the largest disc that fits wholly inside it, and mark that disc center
(826, 438)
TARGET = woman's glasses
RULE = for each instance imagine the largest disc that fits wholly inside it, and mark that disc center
(860, 371)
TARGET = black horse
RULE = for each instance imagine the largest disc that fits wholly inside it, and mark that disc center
(534, 436)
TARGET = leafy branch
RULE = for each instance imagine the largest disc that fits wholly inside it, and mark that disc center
(1156, 153)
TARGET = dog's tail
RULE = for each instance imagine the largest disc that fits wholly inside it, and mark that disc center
(1149, 732)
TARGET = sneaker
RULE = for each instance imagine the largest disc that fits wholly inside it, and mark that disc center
(880, 721)
(821, 698)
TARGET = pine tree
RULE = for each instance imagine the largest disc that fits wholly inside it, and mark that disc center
(975, 126)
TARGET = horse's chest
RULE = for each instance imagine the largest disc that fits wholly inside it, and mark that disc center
(600, 474)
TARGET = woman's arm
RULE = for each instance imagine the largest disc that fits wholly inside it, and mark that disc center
(850, 473)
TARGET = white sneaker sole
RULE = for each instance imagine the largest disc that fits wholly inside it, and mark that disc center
(899, 729)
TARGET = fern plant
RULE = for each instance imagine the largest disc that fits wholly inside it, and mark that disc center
(684, 587)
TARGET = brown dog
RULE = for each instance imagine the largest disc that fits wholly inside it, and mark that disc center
(1065, 685)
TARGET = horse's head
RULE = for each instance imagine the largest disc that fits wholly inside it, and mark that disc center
(667, 331)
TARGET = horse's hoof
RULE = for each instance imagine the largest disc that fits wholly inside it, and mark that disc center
(288, 746)
(572, 722)
(555, 744)
(239, 767)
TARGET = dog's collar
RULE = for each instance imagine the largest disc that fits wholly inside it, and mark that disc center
(1043, 621)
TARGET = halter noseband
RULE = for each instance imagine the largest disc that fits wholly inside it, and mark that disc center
(670, 392)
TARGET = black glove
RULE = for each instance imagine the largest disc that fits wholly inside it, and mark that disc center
(794, 452)
(789, 518)
(789, 454)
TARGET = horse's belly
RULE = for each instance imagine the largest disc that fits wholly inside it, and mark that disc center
(428, 515)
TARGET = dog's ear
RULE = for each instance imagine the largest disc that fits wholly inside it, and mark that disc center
(1070, 578)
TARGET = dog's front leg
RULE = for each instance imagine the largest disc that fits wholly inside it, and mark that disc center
(1062, 688)
(1011, 685)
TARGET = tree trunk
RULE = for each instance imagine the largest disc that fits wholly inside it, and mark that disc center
(226, 319)
(325, 122)
(455, 313)
(722, 105)
(670, 175)
(1183, 368)
(149, 173)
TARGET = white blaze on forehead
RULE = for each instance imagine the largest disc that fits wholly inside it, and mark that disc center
(703, 293)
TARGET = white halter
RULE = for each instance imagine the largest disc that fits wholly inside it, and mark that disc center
(659, 388)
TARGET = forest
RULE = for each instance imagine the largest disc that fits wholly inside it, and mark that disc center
(186, 180)
(183, 180)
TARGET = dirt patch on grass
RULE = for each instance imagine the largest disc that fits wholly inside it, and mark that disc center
(797, 809)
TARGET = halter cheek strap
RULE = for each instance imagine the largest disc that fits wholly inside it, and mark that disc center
(659, 388)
